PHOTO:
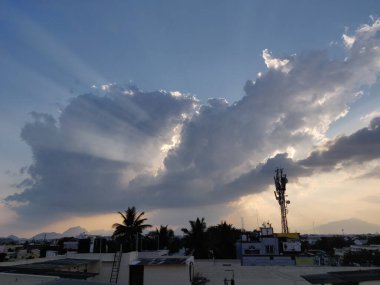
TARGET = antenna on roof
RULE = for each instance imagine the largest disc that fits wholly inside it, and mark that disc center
(280, 181)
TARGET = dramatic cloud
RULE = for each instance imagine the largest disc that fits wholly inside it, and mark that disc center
(164, 149)
(362, 146)
(84, 162)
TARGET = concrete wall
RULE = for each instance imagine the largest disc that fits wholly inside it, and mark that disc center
(23, 279)
(254, 260)
(104, 265)
(34, 260)
(215, 271)
(255, 275)
(153, 274)
(166, 274)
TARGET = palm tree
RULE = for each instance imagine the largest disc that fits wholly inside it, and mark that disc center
(195, 239)
(163, 235)
(132, 225)
(222, 239)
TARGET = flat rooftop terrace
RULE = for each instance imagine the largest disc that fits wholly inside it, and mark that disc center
(58, 267)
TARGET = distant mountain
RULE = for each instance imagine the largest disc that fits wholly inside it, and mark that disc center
(4, 240)
(349, 226)
(71, 232)
(74, 231)
(47, 236)
(10, 239)
(13, 237)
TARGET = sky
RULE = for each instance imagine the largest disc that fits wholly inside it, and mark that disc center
(184, 109)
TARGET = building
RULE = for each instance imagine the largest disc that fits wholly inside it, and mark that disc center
(264, 247)
(135, 268)
(157, 268)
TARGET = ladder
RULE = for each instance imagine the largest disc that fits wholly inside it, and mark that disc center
(115, 267)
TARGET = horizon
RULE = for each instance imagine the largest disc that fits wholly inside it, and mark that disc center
(334, 226)
(185, 110)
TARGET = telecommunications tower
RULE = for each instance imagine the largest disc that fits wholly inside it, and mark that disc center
(280, 181)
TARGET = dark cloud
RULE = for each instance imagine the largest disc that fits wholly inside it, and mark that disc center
(361, 146)
(262, 175)
(189, 188)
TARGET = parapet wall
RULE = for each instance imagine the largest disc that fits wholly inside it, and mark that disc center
(216, 271)
(24, 279)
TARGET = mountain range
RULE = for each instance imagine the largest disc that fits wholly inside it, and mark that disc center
(347, 226)
(71, 232)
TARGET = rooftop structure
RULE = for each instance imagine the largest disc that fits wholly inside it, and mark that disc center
(265, 247)
(280, 181)
(135, 268)
(65, 268)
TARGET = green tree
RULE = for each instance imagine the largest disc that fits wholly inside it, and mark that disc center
(195, 240)
(132, 225)
(222, 240)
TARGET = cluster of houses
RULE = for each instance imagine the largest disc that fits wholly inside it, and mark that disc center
(87, 259)
(20, 249)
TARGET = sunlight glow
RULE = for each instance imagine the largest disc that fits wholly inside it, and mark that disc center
(175, 140)
(272, 62)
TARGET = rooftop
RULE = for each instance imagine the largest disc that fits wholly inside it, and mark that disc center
(59, 267)
(343, 277)
(160, 261)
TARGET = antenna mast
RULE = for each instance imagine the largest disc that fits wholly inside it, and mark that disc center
(280, 181)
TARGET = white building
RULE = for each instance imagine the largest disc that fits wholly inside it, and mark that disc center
(135, 268)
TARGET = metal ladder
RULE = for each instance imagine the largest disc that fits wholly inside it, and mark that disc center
(115, 267)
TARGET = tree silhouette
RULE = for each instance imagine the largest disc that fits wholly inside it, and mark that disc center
(363, 257)
(163, 236)
(222, 239)
(132, 225)
(328, 244)
(195, 240)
